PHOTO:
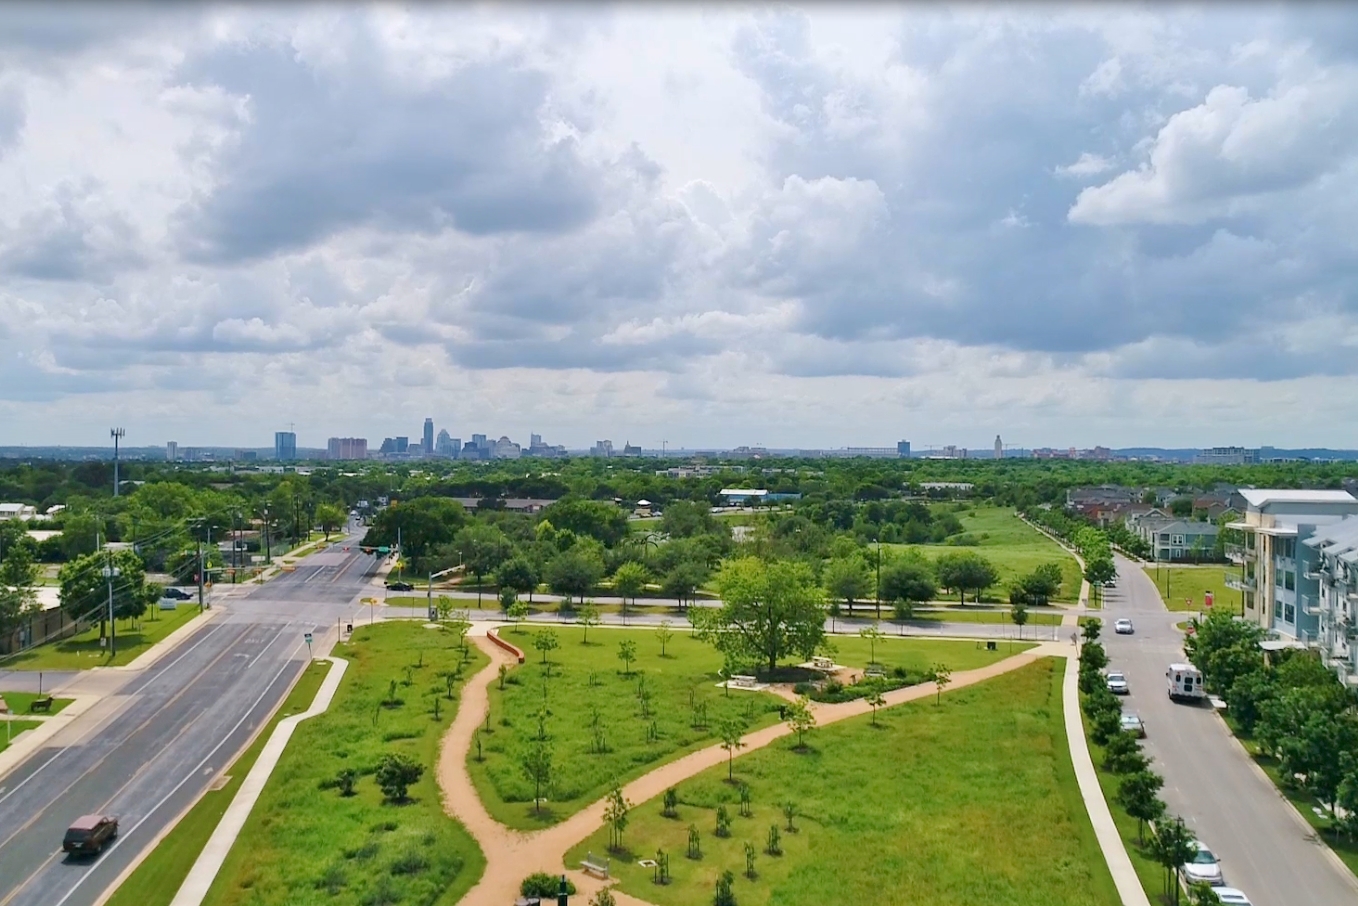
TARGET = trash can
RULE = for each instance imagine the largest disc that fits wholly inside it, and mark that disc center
(991, 645)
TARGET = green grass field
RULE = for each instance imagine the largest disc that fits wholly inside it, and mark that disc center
(156, 880)
(20, 702)
(82, 651)
(918, 655)
(1014, 547)
(10, 730)
(1182, 587)
(306, 845)
(970, 801)
(581, 776)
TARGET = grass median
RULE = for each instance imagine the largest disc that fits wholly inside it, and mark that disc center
(21, 703)
(972, 800)
(80, 652)
(12, 729)
(157, 879)
(306, 843)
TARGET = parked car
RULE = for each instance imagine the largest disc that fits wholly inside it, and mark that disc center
(1111, 583)
(400, 586)
(89, 834)
(1123, 627)
(1229, 896)
(1204, 867)
(176, 594)
(1132, 723)
(1117, 684)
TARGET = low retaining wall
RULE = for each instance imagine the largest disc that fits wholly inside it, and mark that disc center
(494, 636)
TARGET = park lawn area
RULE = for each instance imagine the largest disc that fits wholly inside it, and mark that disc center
(1148, 871)
(305, 845)
(958, 615)
(580, 776)
(1177, 583)
(156, 880)
(973, 800)
(80, 652)
(15, 727)
(1013, 546)
(918, 655)
(19, 703)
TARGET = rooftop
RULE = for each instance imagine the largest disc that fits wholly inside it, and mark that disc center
(1258, 497)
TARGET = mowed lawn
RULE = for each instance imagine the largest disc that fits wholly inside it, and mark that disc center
(969, 801)
(918, 655)
(304, 844)
(157, 879)
(1182, 587)
(83, 651)
(11, 729)
(1014, 547)
(590, 678)
(21, 703)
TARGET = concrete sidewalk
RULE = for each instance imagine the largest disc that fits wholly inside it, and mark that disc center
(209, 861)
(1114, 851)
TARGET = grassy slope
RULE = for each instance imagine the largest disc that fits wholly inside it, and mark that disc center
(157, 878)
(19, 702)
(1013, 547)
(1190, 582)
(82, 651)
(303, 845)
(581, 777)
(971, 801)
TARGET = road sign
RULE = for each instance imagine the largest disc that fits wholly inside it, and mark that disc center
(308, 644)
(308, 638)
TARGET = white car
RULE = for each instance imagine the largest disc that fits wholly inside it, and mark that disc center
(1133, 724)
(1123, 627)
(1117, 684)
(1204, 867)
(1229, 896)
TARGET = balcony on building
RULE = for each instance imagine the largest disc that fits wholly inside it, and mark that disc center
(1240, 583)
(1240, 554)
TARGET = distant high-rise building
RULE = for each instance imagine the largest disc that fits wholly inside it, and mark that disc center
(347, 448)
(999, 447)
(534, 440)
(428, 437)
(601, 448)
(284, 445)
(443, 444)
(903, 449)
(172, 452)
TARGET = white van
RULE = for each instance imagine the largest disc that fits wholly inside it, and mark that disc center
(1185, 683)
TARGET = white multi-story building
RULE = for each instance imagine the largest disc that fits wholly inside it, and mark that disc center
(1335, 571)
(1276, 576)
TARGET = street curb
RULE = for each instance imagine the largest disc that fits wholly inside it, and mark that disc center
(205, 868)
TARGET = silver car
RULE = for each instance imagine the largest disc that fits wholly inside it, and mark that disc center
(1229, 896)
(1204, 867)
(1123, 627)
(1132, 724)
(1117, 684)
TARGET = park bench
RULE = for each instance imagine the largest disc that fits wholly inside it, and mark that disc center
(594, 866)
(41, 704)
(875, 671)
(742, 681)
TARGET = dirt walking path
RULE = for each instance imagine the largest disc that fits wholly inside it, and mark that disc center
(511, 855)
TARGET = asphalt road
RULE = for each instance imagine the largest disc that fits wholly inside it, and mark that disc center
(1209, 780)
(146, 750)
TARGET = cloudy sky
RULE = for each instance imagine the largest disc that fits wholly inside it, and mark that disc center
(795, 226)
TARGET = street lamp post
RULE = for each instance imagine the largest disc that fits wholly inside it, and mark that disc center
(110, 573)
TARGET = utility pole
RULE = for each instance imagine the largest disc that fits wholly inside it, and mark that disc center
(117, 435)
(200, 575)
(110, 572)
(268, 554)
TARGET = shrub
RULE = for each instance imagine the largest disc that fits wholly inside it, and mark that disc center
(396, 774)
(541, 884)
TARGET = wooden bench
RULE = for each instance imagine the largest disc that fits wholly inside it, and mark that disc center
(594, 866)
(741, 681)
(41, 704)
(875, 671)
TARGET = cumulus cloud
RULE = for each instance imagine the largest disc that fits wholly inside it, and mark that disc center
(882, 220)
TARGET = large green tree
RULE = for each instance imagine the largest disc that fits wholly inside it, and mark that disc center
(85, 588)
(596, 518)
(574, 572)
(421, 524)
(966, 571)
(907, 581)
(769, 610)
(847, 579)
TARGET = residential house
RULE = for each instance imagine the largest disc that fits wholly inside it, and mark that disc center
(1276, 574)
(1182, 539)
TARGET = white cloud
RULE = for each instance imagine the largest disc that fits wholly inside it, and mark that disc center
(1087, 164)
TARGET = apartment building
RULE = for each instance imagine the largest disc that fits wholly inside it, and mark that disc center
(1335, 607)
(1277, 575)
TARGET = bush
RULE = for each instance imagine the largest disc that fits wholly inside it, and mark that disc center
(395, 774)
(803, 688)
(541, 884)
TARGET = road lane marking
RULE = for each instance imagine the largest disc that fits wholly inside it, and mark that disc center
(190, 775)
(65, 749)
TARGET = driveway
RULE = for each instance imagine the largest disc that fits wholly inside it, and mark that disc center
(1265, 849)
